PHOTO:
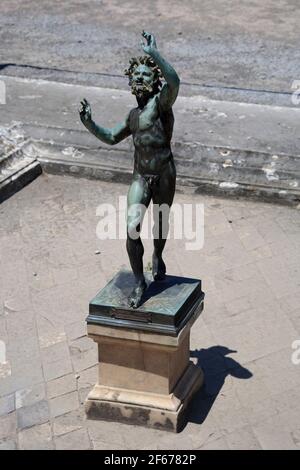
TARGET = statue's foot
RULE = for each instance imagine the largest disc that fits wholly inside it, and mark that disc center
(135, 298)
(158, 268)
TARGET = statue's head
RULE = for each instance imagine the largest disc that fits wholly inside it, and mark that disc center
(144, 76)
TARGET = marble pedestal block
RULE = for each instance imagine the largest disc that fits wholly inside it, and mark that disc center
(145, 373)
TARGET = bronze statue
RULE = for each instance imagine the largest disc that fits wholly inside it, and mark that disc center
(154, 176)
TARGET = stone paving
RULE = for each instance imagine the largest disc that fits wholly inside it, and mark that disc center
(52, 264)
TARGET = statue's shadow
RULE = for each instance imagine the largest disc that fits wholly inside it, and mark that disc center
(216, 367)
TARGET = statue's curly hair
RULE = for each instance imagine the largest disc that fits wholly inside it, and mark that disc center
(134, 62)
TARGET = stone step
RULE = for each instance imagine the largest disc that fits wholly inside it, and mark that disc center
(226, 148)
(116, 166)
(17, 170)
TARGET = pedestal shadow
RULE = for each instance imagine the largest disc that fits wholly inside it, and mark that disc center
(216, 367)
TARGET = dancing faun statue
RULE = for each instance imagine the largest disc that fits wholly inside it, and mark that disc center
(154, 175)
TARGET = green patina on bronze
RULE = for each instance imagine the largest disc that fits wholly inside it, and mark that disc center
(167, 305)
(154, 176)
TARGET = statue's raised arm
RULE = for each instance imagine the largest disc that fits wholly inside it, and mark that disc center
(108, 136)
(170, 89)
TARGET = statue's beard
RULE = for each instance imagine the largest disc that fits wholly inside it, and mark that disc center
(141, 89)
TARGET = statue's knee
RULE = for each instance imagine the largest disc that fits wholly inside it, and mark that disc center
(133, 230)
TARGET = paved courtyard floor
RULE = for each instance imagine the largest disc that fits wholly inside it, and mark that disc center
(52, 264)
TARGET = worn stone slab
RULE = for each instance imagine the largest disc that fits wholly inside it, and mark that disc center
(75, 440)
(36, 438)
(7, 404)
(63, 404)
(30, 396)
(32, 415)
(56, 361)
(83, 354)
(61, 386)
(8, 425)
(68, 422)
(8, 444)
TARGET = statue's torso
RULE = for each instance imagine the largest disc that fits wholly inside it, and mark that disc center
(151, 129)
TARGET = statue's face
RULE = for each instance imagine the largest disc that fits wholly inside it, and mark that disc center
(142, 80)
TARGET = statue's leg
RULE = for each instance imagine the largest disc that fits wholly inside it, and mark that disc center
(163, 194)
(138, 199)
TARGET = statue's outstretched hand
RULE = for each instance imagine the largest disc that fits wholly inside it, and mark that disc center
(85, 111)
(151, 43)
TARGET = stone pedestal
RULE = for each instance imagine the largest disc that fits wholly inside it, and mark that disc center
(145, 375)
